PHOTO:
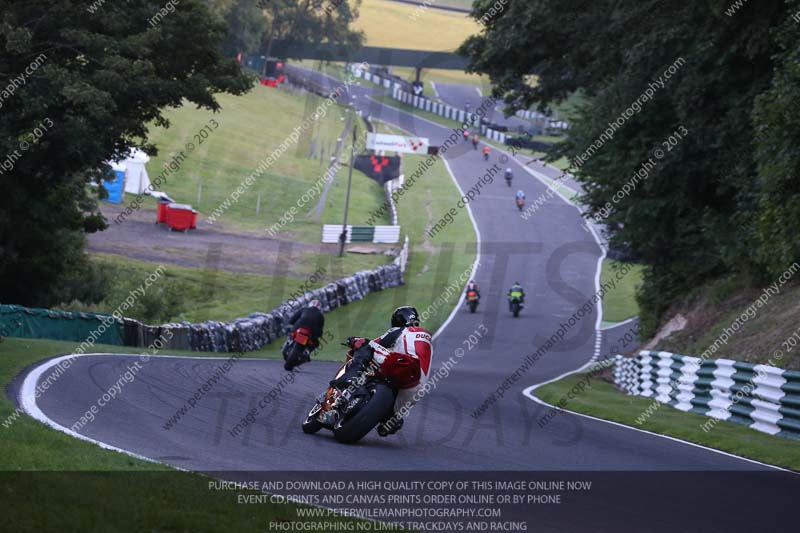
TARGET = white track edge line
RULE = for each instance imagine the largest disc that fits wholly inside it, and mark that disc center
(618, 324)
(27, 400)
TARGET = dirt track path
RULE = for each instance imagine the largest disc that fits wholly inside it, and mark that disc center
(139, 237)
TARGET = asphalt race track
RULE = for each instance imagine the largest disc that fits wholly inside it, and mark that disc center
(555, 256)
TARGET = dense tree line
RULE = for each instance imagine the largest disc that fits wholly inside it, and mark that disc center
(83, 84)
(254, 25)
(724, 198)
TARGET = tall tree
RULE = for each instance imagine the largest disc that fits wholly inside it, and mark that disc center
(246, 24)
(692, 218)
(311, 22)
(777, 124)
(83, 81)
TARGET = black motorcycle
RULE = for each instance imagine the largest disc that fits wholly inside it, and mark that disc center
(297, 348)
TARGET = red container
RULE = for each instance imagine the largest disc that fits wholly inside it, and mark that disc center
(181, 217)
(161, 212)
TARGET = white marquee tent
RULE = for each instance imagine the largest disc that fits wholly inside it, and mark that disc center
(136, 179)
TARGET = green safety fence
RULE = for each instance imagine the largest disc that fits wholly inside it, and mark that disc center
(34, 323)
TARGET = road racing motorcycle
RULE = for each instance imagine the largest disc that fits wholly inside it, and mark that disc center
(353, 412)
(520, 203)
(472, 301)
(297, 348)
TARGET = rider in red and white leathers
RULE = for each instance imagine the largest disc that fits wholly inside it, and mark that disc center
(404, 337)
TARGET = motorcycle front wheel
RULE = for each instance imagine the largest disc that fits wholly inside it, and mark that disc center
(311, 424)
(353, 428)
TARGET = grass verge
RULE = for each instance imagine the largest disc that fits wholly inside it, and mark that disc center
(207, 294)
(620, 302)
(604, 401)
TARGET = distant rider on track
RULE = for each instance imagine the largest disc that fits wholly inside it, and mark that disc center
(310, 318)
(472, 286)
(516, 291)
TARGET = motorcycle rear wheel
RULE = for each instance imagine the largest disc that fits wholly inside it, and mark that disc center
(353, 428)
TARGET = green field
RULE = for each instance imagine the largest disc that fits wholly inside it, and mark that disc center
(603, 400)
(413, 27)
(620, 303)
(416, 28)
(250, 128)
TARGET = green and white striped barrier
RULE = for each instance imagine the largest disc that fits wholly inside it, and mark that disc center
(369, 76)
(762, 397)
(374, 234)
(446, 111)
